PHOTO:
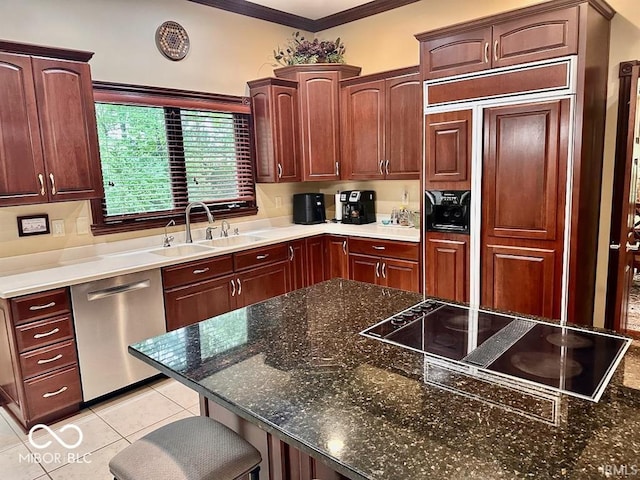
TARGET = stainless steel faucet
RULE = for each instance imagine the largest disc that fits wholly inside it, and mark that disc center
(224, 229)
(187, 222)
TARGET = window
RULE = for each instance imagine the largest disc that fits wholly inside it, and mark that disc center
(161, 149)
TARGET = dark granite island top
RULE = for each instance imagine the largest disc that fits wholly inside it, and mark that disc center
(297, 367)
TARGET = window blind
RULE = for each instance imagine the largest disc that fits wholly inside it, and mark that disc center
(156, 159)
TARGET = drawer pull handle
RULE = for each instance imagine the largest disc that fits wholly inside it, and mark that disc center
(49, 360)
(201, 270)
(42, 307)
(262, 257)
(486, 52)
(344, 247)
(384, 268)
(41, 178)
(378, 247)
(377, 269)
(495, 50)
(337, 169)
(233, 288)
(239, 287)
(53, 394)
(42, 335)
(386, 167)
(291, 253)
(279, 171)
(380, 164)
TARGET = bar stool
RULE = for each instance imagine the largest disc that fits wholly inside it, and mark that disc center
(195, 448)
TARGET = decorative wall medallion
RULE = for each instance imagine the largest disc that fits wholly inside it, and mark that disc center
(172, 40)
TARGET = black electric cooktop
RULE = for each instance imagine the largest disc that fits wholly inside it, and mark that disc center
(566, 359)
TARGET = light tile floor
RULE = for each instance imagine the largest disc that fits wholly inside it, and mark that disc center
(106, 427)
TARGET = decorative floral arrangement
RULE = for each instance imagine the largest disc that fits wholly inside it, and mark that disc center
(300, 50)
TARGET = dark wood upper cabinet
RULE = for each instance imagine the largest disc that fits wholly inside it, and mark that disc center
(22, 179)
(319, 114)
(48, 130)
(499, 41)
(448, 150)
(274, 105)
(381, 126)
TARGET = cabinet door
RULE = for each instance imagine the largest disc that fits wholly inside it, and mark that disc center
(403, 127)
(401, 274)
(276, 126)
(297, 267)
(68, 125)
(364, 268)
(320, 119)
(22, 168)
(363, 133)
(448, 150)
(336, 258)
(537, 37)
(194, 303)
(262, 283)
(315, 264)
(447, 266)
(455, 54)
(523, 193)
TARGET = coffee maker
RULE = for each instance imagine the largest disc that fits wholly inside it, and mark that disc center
(358, 206)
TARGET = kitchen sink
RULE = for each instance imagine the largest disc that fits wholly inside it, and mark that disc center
(180, 250)
(231, 241)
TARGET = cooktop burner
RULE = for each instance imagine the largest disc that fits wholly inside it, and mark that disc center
(559, 358)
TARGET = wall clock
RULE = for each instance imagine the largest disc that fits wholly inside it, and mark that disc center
(172, 40)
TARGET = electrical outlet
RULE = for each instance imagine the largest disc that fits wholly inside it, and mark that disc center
(278, 202)
(82, 225)
(405, 198)
(57, 227)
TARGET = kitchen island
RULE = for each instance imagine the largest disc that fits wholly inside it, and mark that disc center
(296, 367)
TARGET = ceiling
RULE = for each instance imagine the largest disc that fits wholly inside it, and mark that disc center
(308, 15)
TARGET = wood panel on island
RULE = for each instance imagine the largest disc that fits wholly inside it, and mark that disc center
(47, 126)
(38, 357)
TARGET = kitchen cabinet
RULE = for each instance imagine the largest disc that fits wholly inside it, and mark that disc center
(319, 114)
(315, 263)
(195, 291)
(540, 161)
(39, 363)
(274, 108)
(385, 262)
(381, 125)
(524, 246)
(297, 264)
(47, 126)
(536, 33)
(447, 266)
(448, 150)
(336, 257)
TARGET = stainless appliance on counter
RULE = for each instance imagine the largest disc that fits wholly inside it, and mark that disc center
(109, 315)
(358, 206)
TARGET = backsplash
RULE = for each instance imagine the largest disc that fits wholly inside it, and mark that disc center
(274, 200)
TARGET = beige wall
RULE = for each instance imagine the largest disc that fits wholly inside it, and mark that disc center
(228, 49)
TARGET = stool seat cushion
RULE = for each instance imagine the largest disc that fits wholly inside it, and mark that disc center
(195, 448)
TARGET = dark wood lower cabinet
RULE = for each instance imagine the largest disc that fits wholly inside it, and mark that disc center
(388, 272)
(261, 283)
(280, 461)
(447, 266)
(336, 257)
(315, 264)
(297, 268)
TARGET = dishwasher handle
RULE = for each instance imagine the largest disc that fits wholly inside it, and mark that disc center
(107, 292)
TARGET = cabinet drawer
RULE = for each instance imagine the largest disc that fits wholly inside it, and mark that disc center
(44, 332)
(49, 358)
(197, 271)
(47, 394)
(384, 248)
(40, 305)
(260, 256)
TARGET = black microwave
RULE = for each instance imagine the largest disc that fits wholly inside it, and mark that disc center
(447, 211)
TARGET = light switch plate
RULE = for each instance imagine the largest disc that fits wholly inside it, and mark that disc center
(57, 228)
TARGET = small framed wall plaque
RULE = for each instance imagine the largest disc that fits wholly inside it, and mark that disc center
(33, 225)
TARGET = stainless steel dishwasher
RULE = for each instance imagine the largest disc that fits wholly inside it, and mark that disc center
(109, 315)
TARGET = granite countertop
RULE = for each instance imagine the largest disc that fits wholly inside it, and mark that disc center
(296, 366)
(25, 274)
